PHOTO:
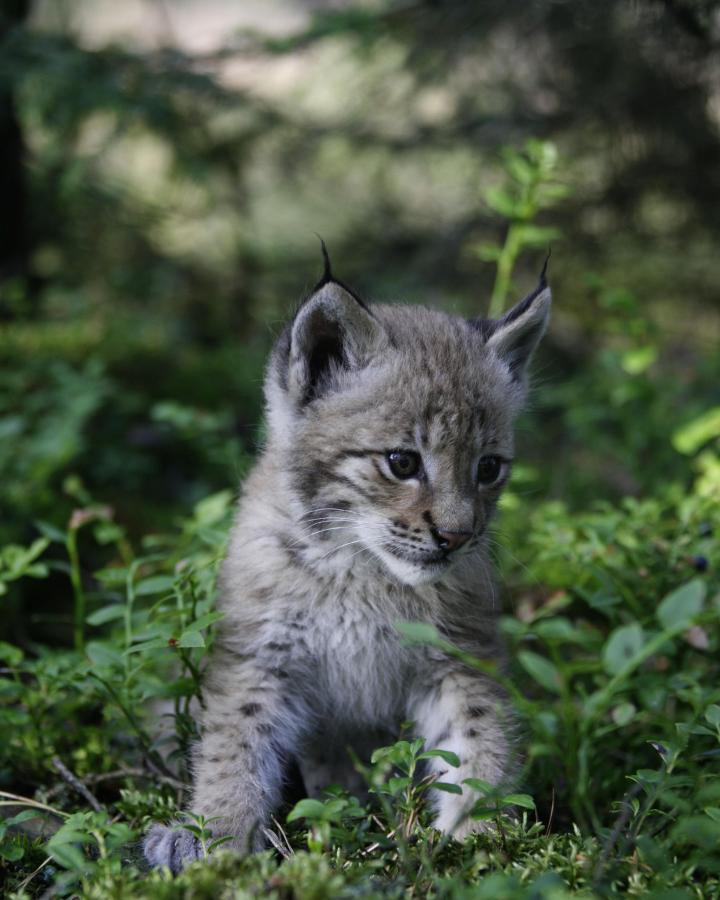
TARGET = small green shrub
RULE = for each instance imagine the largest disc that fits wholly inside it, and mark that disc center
(614, 639)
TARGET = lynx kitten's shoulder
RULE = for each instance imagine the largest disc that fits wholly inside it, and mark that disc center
(390, 437)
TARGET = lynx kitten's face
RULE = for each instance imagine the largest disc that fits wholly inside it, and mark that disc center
(397, 424)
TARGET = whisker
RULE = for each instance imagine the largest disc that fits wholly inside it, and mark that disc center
(358, 552)
(301, 540)
(321, 508)
(333, 528)
(337, 549)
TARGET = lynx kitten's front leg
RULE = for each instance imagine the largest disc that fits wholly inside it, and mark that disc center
(462, 714)
(250, 730)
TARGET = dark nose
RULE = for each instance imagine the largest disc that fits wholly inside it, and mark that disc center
(450, 540)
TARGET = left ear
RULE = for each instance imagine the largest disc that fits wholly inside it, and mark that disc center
(515, 336)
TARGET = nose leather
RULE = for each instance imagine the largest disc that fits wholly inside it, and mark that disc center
(451, 540)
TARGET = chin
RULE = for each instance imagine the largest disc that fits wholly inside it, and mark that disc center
(409, 573)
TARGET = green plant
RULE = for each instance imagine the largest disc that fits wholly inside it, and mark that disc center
(531, 186)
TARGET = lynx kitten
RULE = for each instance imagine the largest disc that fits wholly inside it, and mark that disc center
(390, 437)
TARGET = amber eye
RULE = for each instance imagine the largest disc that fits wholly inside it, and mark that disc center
(403, 463)
(489, 469)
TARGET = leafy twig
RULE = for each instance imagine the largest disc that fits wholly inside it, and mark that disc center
(76, 784)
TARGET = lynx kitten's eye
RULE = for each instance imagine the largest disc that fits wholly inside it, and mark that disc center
(489, 469)
(403, 463)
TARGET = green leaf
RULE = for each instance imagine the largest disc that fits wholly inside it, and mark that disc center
(419, 632)
(106, 614)
(482, 813)
(108, 532)
(154, 644)
(541, 670)
(398, 783)
(702, 831)
(155, 584)
(624, 713)
(479, 784)
(712, 715)
(682, 605)
(63, 848)
(537, 236)
(307, 809)
(452, 759)
(488, 252)
(103, 654)
(118, 834)
(520, 169)
(621, 646)
(51, 532)
(690, 437)
(523, 800)
(13, 656)
(17, 561)
(218, 842)
(637, 360)
(447, 786)
(502, 202)
(211, 509)
(203, 622)
(115, 576)
(559, 629)
(23, 816)
(191, 639)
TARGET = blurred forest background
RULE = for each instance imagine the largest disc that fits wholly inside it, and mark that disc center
(165, 166)
(165, 169)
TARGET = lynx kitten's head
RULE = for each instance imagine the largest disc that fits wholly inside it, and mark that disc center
(395, 424)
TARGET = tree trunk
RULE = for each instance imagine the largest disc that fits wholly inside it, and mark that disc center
(14, 233)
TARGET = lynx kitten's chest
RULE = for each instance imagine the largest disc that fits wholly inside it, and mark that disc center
(362, 666)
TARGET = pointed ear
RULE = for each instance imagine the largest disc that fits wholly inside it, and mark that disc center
(333, 331)
(515, 336)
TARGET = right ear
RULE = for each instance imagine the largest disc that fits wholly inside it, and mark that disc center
(332, 332)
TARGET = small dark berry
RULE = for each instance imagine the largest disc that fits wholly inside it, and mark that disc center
(700, 563)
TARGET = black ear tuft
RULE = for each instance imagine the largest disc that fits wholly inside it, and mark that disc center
(327, 274)
(524, 305)
(329, 278)
(543, 275)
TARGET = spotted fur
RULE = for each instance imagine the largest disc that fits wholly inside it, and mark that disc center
(330, 549)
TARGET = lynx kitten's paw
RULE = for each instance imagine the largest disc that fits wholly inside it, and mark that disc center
(170, 846)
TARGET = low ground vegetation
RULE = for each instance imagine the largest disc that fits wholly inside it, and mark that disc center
(613, 623)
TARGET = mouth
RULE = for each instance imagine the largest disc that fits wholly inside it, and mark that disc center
(428, 559)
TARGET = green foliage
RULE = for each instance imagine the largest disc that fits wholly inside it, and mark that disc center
(165, 214)
(531, 186)
(43, 420)
(18, 562)
(622, 725)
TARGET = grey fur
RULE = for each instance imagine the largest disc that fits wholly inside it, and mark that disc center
(329, 550)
